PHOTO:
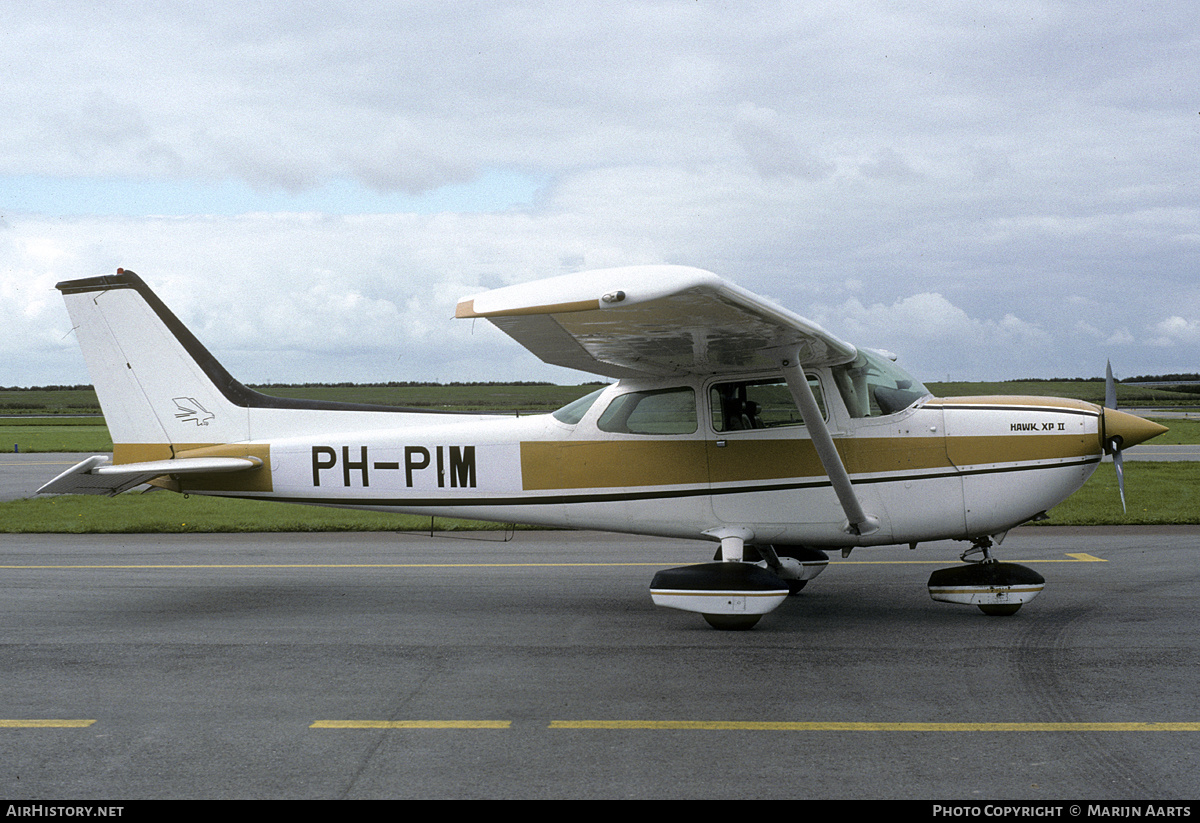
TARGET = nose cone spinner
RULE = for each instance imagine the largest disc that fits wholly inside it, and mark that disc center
(1127, 430)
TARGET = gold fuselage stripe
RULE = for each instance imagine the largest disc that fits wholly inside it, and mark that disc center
(590, 465)
(734, 458)
(557, 465)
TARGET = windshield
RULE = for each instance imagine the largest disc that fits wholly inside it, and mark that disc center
(873, 386)
(574, 411)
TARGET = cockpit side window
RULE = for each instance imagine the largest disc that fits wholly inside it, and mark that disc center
(873, 386)
(757, 404)
(667, 411)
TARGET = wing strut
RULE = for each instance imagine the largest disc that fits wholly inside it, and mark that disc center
(858, 521)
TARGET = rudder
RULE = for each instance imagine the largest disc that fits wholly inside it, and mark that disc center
(159, 387)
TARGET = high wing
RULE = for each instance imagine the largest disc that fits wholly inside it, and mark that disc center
(652, 320)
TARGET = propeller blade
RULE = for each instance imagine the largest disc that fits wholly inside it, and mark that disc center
(1119, 465)
(1115, 442)
(1122, 430)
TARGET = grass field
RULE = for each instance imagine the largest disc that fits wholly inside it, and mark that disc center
(1090, 390)
(538, 397)
(1157, 492)
(166, 512)
(43, 434)
(455, 397)
(62, 433)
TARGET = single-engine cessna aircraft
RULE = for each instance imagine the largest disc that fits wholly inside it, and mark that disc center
(732, 419)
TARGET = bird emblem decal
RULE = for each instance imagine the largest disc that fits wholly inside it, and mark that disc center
(191, 411)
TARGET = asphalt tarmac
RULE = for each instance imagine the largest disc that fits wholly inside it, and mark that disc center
(410, 666)
(21, 475)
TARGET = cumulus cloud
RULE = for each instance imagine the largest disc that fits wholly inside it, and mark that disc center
(1176, 331)
(1113, 337)
(931, 317)
(933, 335)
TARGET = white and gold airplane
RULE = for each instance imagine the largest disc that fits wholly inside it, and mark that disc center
(732, 419)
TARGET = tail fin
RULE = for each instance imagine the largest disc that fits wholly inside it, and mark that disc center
(163, 393)
(160, 389)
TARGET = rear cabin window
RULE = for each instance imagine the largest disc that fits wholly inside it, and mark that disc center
(758, 404)
(669, 411)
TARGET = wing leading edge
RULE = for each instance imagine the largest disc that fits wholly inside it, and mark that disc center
(652, 320)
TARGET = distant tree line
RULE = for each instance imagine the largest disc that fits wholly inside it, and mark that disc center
(412, 384)
(1163, 378)
(392, 384)
(1148, 378)
(1054, 380)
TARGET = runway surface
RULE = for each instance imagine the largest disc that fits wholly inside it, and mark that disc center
(21, 475)
(390, 665)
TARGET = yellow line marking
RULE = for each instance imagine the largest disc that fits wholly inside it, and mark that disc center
(411, 724)
(341, 566)
(41, 463)
(1075, 558)
(45, 724)
(787, 726)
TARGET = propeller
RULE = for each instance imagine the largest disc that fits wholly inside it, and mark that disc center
(1122, 430)
(1112, 445)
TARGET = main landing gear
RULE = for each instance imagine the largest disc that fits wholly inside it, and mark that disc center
(998, 589)
(733, 595)
(730, 596)
(747, 581)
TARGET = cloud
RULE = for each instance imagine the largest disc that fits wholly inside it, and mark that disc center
(771, 149)
(887, 163)
(934, 336)
(1115, 337)
(1005, 179)
(1176, 331)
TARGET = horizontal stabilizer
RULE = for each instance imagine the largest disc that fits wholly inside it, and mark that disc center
(96, 476)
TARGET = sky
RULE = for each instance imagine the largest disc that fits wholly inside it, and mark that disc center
(992, 190)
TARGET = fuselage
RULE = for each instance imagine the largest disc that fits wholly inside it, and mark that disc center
(669, 457)
(733, 419)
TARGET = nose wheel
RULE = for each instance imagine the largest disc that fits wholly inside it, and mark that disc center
(998, 589)
(732, 622)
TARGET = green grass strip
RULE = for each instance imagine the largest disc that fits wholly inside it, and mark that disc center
(47, 435)
(1157, 494)
(1184, 431)
(169, 513)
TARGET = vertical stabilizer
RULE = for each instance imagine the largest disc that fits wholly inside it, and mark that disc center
(160, 389)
